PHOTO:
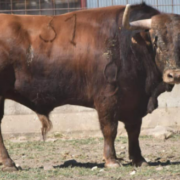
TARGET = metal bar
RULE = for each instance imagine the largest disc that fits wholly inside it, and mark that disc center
(83, 4)
(11, 7)
(48, 9)
(40, 7)
(172, 6)
(29, 10)
(25, 6)
(53, 7)
(68, 5)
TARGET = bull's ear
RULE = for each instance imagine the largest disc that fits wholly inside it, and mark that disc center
(141, 39)
(145, 36)
(135, 25)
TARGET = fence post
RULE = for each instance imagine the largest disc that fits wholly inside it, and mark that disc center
(83, 4)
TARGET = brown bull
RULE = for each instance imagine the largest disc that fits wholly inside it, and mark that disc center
(93, 58)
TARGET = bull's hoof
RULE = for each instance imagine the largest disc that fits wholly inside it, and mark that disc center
(113, 164)
(10, 169)
(144, 164)
(139, 163)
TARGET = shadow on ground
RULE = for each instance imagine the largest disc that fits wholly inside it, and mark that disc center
(74, 163)
(158, 163)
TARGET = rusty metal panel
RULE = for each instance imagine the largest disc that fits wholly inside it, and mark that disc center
(45, 7)
(53, 7)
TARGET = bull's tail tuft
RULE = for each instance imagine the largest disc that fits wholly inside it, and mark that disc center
(46, 125)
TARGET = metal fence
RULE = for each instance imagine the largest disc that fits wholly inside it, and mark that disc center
(53, 7)
(44, 7)
(169, 6)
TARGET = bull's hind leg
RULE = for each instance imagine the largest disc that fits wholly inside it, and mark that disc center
(133, 131)
(44, 118)
(46, 124)
(109, 130)
(108, 123)
(5, 159)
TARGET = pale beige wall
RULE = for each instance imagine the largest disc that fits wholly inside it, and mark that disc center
(19, 119)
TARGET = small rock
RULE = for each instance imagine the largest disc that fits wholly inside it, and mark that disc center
(48, 167)
(161, 132)
(168, 167)
(94, 168)
(58, 135)
(19, 140)
(122, 153)
(147, 159)
(17, 165)
(168, 135)
(101, 170)
(170, 156)
(133, 173)
(159, 168)
(51, 140)
(22, 138)
(23, 155)
(123, 147)
(37, 138)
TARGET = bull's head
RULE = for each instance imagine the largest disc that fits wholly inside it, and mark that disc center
(164, 30)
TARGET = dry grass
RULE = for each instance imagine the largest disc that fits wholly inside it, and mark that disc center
(74, 159)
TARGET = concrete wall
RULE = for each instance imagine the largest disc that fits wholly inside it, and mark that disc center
(19, 119)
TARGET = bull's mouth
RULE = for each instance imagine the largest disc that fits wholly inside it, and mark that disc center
(171, 76)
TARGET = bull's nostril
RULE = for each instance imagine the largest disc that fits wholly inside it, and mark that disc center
(170, 76)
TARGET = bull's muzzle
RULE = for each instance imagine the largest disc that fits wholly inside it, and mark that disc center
(172, 76)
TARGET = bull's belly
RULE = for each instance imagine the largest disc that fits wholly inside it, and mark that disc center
(48, 94)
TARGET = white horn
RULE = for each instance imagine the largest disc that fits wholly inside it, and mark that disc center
(135, 25)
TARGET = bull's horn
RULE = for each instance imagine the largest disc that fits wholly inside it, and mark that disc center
(135, 25)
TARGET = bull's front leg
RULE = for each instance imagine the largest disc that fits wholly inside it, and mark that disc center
(5, 159)
(133, 131)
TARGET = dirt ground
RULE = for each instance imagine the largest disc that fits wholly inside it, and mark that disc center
(66, 158)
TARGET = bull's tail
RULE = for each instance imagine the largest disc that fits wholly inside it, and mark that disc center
(46, 125)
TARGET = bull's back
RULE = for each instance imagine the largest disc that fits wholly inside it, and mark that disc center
(71, 33)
